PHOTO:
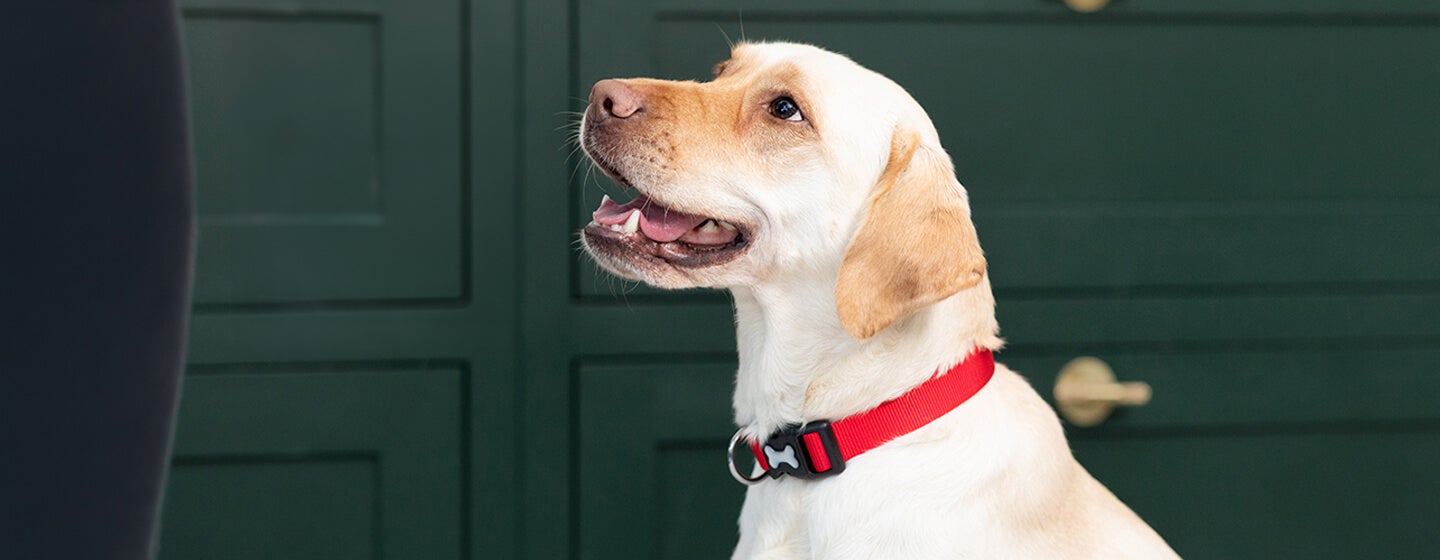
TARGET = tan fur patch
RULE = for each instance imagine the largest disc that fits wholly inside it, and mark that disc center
(700, 125)
(917, 245)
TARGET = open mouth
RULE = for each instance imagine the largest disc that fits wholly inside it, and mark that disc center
(644, 228)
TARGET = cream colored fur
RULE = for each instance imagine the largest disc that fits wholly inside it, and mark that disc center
(993, 479)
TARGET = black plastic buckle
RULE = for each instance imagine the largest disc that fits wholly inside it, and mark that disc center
(787, 453)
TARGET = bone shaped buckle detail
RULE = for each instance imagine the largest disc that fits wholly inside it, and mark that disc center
(777, 458)
(789, 452)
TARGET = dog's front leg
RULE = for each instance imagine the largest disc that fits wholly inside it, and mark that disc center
(772, 523)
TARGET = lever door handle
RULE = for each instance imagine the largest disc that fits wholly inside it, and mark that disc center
(1087, 6)
(1086, 392)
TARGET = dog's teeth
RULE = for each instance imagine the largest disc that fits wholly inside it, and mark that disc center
(708, 227)
(632, 224)
(616, 227)
(604, 198)
(727, 225)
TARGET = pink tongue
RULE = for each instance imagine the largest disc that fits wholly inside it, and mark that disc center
(666, 225)
(610, 213)
(658, 222)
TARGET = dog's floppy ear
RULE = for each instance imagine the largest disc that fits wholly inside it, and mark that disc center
(916, 246)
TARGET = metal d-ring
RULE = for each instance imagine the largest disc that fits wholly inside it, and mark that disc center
(734, 467)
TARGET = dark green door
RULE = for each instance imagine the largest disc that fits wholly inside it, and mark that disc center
(350, 333)
(1233, 201)
(398, 353)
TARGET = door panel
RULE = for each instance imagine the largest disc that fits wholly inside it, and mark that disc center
(328, 155)
(353, 348)
(311, 464)
(651, 462)
(246, 509)
(1315, 492)
(1318, 452)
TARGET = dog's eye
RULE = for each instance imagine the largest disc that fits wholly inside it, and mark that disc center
(785, 108)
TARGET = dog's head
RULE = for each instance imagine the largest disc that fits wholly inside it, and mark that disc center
(792, 163)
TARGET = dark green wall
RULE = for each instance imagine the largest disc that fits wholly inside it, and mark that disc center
(398, 353)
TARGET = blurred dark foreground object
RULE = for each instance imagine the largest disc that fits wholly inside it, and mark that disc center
(95, 259)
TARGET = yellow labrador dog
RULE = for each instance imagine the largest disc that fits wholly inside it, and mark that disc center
(818, 193)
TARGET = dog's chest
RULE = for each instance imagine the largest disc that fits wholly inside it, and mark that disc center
(912, 498)
(822, 520)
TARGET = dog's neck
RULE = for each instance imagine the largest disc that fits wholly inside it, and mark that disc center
(797, 363)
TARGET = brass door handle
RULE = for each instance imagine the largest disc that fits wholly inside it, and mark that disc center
(1087, 6)
(1086, 392)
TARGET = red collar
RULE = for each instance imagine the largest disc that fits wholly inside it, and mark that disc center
(821, 448)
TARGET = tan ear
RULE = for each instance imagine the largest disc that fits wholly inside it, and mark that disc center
(916, 246)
